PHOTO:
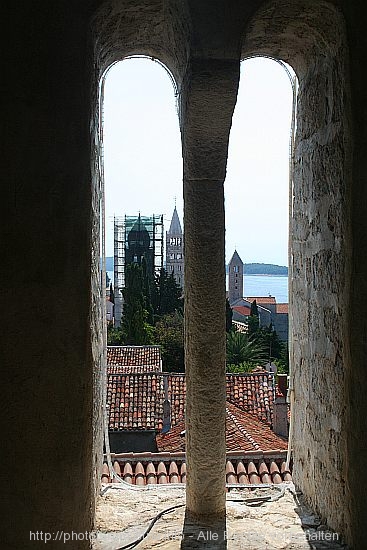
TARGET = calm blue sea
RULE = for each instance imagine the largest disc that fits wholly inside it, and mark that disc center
(263, 285)
(260, 285)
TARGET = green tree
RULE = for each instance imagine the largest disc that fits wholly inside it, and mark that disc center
(146, 287)
(112, 294)
(166, 295)
(253, 321)
(169, 335)
(269, 339)
(246, 366)
(115, 336)
(229, 316)
(282, 362)
(254, 309)
(135, 327)
(242, 348)
(253, 325)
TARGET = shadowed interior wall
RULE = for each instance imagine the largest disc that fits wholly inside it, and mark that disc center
(46, 351)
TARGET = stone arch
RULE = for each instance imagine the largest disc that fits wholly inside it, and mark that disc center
(152, 29)
(311, 37)
(119, 30)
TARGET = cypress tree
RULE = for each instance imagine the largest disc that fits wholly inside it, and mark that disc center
(134, 322)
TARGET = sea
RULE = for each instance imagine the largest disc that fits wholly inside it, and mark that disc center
(265, 285)
(260, 285)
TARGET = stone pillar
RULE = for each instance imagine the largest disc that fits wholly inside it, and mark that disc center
(207, 104)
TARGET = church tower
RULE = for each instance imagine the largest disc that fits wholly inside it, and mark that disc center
(235, 278)
(174, 250)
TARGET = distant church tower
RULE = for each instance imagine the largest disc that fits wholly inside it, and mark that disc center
(235, 278)
(174, 250)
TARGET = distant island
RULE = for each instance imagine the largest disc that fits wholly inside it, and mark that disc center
(265, 269)
(249, 269)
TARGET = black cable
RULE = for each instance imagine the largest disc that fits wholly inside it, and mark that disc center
(255, 501)
(156, 518)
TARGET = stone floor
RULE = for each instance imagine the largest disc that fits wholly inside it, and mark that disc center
(123, 514)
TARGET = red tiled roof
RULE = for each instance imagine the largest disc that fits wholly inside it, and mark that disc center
(136, 400)
(243, 310)
(172, 441)
(253, 393)
(282, 308)
(177, 397)
(251, 467)
(244, 432)
(123, 359)
(262, 300)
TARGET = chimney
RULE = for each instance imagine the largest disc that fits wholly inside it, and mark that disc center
(166, 408)
(280, 407)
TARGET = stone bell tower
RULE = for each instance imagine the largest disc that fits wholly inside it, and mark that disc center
(235, 278)
(174, 250)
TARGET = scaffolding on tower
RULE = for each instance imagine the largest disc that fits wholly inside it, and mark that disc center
(135, 238)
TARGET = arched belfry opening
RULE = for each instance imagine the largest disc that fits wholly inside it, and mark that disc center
(319, 257)
(311, 37)
(52, 350)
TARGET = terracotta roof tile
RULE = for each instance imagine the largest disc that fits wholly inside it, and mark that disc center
(125, 359)
(253, 393)
(243, 310)
(161, 468)
(262, 300)
(135, 402)
(241, 473)
(244, 432)
(282, 308)
(177, 397)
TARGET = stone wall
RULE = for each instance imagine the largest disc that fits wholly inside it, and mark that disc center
(320, 244)
(46, 233)
(320, 271)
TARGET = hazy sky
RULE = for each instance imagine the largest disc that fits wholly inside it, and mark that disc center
(143, 163)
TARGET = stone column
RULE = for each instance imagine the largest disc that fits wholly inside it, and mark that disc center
(207, 103)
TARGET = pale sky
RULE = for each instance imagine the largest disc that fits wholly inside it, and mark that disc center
(143, 162)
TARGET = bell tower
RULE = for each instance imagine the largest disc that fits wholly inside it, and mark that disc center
(235, 278)
(174, 250)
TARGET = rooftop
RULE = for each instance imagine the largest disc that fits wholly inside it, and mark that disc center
(133, 359)
(282, 308)
(244, 432)
(243, 310)
(135, 400)
(261, 299)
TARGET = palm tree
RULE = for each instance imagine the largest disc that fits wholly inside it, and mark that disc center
(241, 348)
